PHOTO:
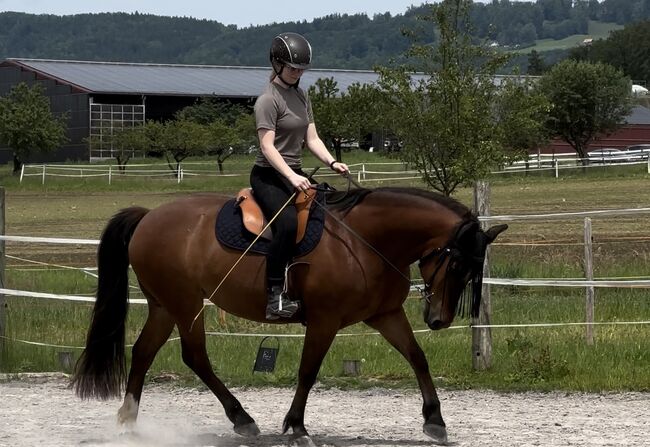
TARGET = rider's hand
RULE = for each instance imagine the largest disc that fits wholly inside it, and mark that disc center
(340, 168)
(300, 183)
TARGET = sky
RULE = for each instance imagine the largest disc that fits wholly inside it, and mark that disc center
(241, 13)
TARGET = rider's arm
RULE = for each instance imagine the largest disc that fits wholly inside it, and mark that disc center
(317, 147)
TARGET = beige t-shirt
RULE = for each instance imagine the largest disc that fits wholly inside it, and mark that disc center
(288, 112)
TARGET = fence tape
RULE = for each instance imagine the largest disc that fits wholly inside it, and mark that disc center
(86, 270)
(638, 283)
(52, 240)
(418, 331)
(85, 299)
(568, 215)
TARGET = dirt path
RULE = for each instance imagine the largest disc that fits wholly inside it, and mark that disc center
(44, 412)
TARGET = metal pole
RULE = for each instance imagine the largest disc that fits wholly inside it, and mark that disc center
(482, 337)
(3, 302)
(589, 273)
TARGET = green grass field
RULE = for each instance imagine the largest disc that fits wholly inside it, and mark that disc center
(597, 30)
(539, 358)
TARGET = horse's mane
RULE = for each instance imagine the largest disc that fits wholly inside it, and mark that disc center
(346, 200)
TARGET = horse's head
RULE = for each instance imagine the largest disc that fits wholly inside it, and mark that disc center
(447, 271)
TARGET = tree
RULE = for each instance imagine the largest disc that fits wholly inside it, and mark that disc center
(342, 116)
(521, 112)
(536, 64)
(587, 100)
(327, 107)
(27, 124)
(128, 140)
(625, 49)
(180, 139)
(447, 118)
(207, 110)
(229, 128)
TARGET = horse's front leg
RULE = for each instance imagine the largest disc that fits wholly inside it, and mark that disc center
(318, 339)
(397, 330)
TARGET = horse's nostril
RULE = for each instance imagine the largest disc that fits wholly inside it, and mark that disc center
(435, 325)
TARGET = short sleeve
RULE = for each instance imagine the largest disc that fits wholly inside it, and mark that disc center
(266, 114)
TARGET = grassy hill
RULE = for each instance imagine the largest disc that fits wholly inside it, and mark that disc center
(597, 30)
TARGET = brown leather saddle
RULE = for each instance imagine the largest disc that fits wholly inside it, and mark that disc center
(254, 219)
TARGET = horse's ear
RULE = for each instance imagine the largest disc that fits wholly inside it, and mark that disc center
(494, 231)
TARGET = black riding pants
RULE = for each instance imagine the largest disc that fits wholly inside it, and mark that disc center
(272, 190)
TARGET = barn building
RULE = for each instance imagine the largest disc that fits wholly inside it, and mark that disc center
(636, 130)
(99, 96)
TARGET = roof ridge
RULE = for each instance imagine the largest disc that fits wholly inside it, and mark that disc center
(159, 64)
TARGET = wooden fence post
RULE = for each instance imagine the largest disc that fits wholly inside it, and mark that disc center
(589, 273)
(482, 337)
(3, 302)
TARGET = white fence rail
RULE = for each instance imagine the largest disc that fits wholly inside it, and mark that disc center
(365, 172)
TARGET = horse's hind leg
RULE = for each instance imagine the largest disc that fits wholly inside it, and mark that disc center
(155, 333)
(195, 356)
(398, 332)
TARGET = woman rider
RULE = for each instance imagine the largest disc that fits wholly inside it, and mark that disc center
(284, 123)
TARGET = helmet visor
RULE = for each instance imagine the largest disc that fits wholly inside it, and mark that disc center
(296, 66)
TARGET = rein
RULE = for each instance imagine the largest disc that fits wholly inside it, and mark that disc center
(445, 251)
(362, 240)
(448, 250)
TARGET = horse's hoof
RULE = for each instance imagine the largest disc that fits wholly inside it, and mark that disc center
(301, 441)
(248, 429)
(437, 432)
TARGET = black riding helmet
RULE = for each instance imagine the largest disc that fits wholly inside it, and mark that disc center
(290, 49)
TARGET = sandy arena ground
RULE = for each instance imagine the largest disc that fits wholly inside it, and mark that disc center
(43, 412)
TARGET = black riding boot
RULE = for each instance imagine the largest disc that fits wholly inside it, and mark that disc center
(279, 305)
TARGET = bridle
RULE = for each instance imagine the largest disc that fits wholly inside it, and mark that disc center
(460, 262)
(443, 253)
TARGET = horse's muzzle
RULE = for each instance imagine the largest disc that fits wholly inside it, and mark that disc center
(436, 325)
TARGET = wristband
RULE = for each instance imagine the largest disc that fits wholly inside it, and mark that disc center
(332, 164)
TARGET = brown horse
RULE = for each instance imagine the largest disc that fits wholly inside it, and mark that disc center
(359, 271)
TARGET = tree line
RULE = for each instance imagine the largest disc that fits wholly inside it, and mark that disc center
(343, 41)
(454, 124)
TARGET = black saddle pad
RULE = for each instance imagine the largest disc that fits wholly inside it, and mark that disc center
(231, 232)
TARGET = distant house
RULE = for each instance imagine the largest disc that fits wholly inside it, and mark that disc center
(636, 130)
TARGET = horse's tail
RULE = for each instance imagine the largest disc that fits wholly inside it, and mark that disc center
(101, 370)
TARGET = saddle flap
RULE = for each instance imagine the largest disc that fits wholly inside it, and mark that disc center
(254, 220)
(252, 215)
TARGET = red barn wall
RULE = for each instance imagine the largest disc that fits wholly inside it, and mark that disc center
(626, 136)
